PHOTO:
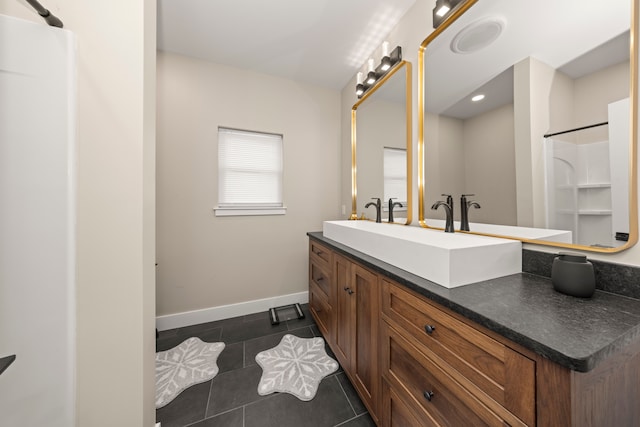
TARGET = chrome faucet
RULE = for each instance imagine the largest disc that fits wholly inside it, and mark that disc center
(378, 206)
(448, 207)
(393, 204)
(464, 211)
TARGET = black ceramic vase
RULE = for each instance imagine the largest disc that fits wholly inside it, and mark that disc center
(573, 275)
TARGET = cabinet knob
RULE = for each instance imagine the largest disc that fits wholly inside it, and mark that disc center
(346, 288)
(429, 329)
(350, 291)
(428, 395)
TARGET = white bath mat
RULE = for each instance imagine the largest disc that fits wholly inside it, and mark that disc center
(192, 362)
(295, 366)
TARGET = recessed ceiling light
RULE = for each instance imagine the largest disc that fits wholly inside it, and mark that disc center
(477, 35)
(477, 98)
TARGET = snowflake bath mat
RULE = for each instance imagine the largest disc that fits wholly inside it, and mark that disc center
(295, 366)
(192, 362)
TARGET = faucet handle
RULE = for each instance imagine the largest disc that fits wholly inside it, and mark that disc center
(446, 195)
(468, 195)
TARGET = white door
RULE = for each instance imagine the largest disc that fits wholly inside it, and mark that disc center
(37, 237)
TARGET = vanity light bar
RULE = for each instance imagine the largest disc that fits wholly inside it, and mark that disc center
(443, 9)
(374, 74)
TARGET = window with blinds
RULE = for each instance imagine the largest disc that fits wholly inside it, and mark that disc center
(250, 168)
(395, 175)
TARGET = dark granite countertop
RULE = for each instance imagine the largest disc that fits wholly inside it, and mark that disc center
(574, 332)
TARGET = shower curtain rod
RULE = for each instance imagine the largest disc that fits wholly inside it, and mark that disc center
(573, 130)
(48, 17)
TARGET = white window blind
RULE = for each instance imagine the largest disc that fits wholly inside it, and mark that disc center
(395, 174)
(250, 166)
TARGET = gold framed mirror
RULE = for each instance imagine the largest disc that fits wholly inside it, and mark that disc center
(540, 170)
(381, 147)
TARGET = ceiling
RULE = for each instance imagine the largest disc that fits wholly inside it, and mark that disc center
(324, 42)
(575, 29)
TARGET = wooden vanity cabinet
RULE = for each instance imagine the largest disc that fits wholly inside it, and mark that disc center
(321, 288)
(447, 371)
(416, 363)
(343, 299)
(356, 334)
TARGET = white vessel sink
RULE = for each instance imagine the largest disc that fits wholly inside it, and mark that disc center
(548, 234)
(448, 259)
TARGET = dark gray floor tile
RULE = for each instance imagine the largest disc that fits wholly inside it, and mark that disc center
(233, 418)
(167, 333)
(351, 393)
(315, 330)
(232, 357)
(168, 342)
(328, 408)
(188, 407)
(209, 335)
(261, 315)
(249, 330)
(256, 345)
(363, 420)
(233, 389)
(193, 330)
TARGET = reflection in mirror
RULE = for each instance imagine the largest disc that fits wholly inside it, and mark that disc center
(574, 71)
(381, 131)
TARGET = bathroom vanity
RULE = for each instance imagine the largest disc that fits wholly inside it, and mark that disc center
(504, 351)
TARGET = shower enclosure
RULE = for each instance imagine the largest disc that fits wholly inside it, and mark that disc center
(37, 224)
(587, 180)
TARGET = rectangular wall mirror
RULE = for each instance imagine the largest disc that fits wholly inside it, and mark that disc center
(548, 147)
(381, 147)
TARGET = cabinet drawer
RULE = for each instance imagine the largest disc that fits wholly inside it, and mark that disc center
(492, 368)
(320, 276)
(396, 412)
(320, 254)
(430, 392)
(321, 310)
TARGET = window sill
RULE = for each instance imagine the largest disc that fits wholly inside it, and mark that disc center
(249, 211)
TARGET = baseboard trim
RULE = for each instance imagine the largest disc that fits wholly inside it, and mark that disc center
(187, 318)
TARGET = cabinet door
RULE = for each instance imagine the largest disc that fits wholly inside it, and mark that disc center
(344, 308)
(365, 356)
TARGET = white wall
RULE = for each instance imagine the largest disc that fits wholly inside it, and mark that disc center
(206, 261)
(490, 171)
(115, 378)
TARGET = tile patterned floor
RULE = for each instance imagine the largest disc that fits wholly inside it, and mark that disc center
(231, 398)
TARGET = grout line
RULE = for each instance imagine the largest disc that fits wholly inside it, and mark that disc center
(345, 395)
(206, 409)
(350, 419)
(213, 416)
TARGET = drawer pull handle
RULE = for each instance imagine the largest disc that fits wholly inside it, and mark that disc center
(429, 329)
(320, 279)
(428, 395)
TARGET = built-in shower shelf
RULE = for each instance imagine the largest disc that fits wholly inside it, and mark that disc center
(601, 212)
(598, 185)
